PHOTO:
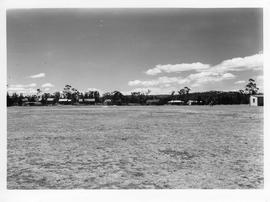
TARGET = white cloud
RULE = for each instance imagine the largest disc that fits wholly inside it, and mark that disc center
(47, 85)
(198, 79)
(93, 89)
(22, 90)
(204, 73)
(259, 81)
(32, 85)
(153, 90)
(253, 62)
(23, 85)
(169, 68)
(15, 89)
(46, 89)
(193, 79)
(228, 76)
(159, 81)
(143, 83)
(259, 78)
(40, 75)
(240, 82)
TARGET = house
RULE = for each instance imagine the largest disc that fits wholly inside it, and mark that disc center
(90, 101)
(81, 101)
(176, 102)
(192, 102)
(24, 100)
(50, 101)
(256, 100)
(28, 102)
(108, 102)
(39, 98)
(64, 101)
(153, 102)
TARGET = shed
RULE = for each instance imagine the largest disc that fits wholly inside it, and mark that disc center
(108, 102)
(89, 101)
(24, 99)
(50, 101)
(192, 102)
(153, 102)
(256, 100)
(64, 101)
(176, 102)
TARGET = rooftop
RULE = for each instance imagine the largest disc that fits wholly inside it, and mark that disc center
(261, 95)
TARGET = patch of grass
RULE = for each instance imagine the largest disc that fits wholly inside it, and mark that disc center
(124, 147)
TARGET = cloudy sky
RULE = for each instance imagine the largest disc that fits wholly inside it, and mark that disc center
(134, 49)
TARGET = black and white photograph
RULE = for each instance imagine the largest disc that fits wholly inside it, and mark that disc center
(135, 98)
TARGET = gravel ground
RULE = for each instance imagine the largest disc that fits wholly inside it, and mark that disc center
(142, 147)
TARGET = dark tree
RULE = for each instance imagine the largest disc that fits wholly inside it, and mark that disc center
(20, 99)
(107, 95)
(74, 95)
(67, 91)
(172, 95)
(9, 100)
(57, 96)
(93, 94)
(117, 98)
(241, 91)
(187, 89)
(251, 87)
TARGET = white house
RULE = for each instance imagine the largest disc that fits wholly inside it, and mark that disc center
(256, 100)
(50, 101)
(64, 101)
(89, 101)
(108, 102)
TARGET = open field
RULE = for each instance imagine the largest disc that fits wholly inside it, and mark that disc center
(140, 147)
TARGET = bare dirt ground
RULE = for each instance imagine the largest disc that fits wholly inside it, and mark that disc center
(153, 147)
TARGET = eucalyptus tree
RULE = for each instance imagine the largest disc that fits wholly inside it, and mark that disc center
(251, 87)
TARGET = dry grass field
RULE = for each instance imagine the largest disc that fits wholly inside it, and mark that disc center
(142, 147)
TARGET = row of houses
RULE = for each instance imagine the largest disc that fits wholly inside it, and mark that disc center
(65, 101)
(255, 100)
(92, 101)
(53, 101)
(181, 102)
(174, 102)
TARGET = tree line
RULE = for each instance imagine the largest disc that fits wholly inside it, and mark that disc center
(139, 98)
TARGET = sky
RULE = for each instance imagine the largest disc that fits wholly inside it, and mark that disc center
(129, 50)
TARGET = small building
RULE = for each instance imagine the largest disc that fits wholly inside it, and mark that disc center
(256, 100)
(50, 101)
(81, 101)
(176, 102)
(108, 102)
(89, 101)
(64, 101)
(153, 102)
(24, 100)
(192, 102)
